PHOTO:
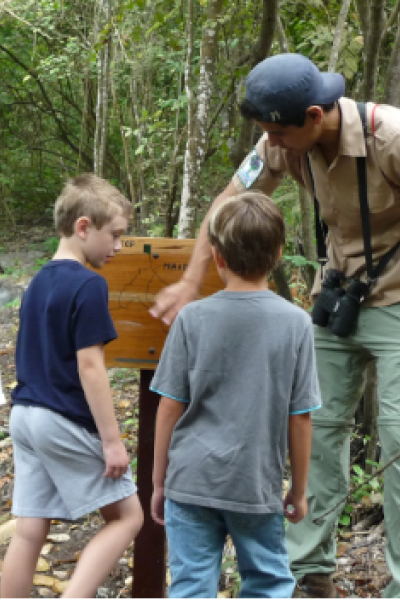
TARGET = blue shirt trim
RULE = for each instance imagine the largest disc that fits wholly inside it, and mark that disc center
(169, 396)
(301, 412)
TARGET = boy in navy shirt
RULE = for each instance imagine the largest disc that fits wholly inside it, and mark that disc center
(69, 458)
(238, 380)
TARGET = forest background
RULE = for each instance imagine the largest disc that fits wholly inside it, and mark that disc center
(145, 93)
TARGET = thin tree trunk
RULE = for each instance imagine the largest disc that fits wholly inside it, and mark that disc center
(307, 234)
(392, 92)
(281, 282)
(104, 16)
(185, 220)
(128, 167)
(198, 126)
(281, 35)
(138, 159)
(104, 92)
(371, 48)
(260, 51)
(337, 39)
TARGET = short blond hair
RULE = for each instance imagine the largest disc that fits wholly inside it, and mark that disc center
(248, 231)
(88, 196)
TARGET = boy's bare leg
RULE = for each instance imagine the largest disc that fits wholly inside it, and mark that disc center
(123, 522)
(22, 557)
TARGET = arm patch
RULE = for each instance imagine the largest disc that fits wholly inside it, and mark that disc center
(250, 169)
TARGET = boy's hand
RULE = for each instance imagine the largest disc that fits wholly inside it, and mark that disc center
(295, 508)
(117, 459)
(157, 505)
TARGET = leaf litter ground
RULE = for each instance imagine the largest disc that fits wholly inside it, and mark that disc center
(361, 569)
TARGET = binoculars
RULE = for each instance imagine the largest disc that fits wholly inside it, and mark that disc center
(339, 307)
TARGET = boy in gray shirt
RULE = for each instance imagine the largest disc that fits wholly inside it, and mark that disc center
(238, 380)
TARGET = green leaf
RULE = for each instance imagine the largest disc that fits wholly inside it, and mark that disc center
(357, 469)
(345, 520)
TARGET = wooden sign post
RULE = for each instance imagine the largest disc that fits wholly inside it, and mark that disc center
(136, 275)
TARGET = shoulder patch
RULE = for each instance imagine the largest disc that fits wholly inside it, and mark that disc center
(250, 170)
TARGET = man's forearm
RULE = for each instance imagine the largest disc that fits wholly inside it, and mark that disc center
(300, 433)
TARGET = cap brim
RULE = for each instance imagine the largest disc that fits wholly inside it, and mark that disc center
(332, 88)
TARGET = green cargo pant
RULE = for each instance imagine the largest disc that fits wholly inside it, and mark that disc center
(341, 371)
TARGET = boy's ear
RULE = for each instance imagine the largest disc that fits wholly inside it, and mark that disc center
(219, 261)
(82, 226)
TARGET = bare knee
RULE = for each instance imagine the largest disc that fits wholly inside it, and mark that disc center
(32, 531)
(127, 511)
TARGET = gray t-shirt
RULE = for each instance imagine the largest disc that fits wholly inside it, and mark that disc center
(242, 361)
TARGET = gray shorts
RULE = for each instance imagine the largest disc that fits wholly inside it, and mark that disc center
(59, 467)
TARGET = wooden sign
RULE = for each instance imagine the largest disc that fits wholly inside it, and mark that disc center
(135, 276)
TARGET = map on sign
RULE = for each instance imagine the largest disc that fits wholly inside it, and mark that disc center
(134, 277)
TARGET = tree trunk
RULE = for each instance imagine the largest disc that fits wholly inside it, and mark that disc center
(281, 282)
(337, 38)
(197, 127)
(392, 92)
(372, 36)
(260, 51)
(128, 167)
(100, 137)
(307, 234)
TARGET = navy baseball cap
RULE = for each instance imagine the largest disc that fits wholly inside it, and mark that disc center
(284, 86)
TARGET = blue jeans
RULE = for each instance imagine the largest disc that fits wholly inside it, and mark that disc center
(196, 537)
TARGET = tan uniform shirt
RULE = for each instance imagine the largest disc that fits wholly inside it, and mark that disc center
(336, 188)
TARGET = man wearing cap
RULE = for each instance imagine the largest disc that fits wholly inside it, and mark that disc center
(305, 116)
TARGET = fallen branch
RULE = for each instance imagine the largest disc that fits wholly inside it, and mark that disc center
(378, 472)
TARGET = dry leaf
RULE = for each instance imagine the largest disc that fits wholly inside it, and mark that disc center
(366, 502)
(12, 385)
(376, 498)
(125, 404)
(341, 549)
(42, 565)
(7, 530)
(44, 580)
(7, 351)
(60, 586)
(7, 478)
(46, 549)
(45, 592)
(58, 537)
(60, 574)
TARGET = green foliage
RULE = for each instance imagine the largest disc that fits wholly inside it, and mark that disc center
(362, 485)
(300, 261)
(16, 270)
(229, 567)
(51, 244)
(16, 303)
